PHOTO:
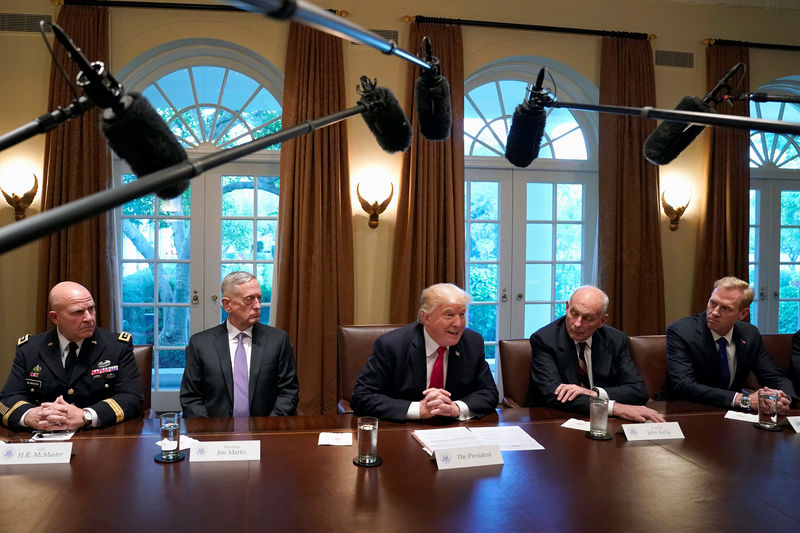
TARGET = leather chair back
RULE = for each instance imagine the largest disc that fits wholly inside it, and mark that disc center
(515, 368)
(779, 346)
(355, 347)
(143, 353)
(649, 354)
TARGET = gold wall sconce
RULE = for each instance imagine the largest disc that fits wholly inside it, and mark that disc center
(374, 209)
(21, 203)
(674, 207)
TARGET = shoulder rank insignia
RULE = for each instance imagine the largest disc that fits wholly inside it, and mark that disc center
(23, 340)
(124, 337)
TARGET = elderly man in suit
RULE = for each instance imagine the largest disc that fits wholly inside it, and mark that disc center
(73, 376)
(710, 354)
(432, 367)
(577, 357)
(241, 367)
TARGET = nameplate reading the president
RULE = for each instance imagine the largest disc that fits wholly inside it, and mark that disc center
(653, 431)
(226, 450)
(447, 458)
(33, 453)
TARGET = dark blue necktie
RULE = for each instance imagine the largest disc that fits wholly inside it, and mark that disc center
(724, 371)
(72, 358)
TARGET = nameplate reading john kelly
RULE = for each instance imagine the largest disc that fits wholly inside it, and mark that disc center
(655, 431)
(226, 450)
(33, 453)
(447, 458)
(794, 421)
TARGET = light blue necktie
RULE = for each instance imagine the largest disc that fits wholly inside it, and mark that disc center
(241, 401)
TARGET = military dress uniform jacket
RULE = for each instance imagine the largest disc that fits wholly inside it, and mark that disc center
(105, 378)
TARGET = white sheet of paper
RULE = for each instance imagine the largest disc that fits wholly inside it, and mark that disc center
(653, 431)
(335, 439)
(52, 436)
(744, 417)
(574, 423)
(508, 438)
(434, 439)
(795, 422)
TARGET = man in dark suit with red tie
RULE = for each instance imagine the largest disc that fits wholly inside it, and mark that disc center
(241, 367)
(577, 357)
(432, 367)
(710, 354)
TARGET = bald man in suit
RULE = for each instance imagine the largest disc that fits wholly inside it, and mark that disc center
(268, 384)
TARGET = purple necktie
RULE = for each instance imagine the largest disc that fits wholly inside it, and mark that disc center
(241, 402)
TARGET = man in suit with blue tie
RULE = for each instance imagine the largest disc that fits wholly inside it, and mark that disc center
(710, 354)
(241, 367)
(577, 357)
(432, 367)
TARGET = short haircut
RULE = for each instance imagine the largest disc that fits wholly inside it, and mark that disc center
(603, 303)
(439, 294)
(731, 282)
(235, 278)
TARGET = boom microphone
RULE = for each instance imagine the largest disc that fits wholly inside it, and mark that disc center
(669, 139)
(527, 127)
(384, 116)
(433, 99)
(132, 127)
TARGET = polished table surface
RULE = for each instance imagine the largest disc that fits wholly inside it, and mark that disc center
(725, 475)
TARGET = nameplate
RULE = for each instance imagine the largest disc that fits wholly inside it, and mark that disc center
(35, 453)
(226, 450)
(653, 431)
(447, 458)
(795, 423)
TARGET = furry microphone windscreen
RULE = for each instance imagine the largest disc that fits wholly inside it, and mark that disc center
(525, 134)
(433, 105)
(140, 136)
(386, 119)
(669, 139)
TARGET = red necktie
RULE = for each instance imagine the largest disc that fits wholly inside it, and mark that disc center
(582, 365)
(437, 374)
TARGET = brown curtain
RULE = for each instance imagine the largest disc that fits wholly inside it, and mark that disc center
(429, 238)
(722, 243)
(77, 163)
(315, 235)
(629, 238)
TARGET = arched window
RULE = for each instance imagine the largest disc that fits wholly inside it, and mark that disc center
(775, 213)
(530, 232)
(172, 254)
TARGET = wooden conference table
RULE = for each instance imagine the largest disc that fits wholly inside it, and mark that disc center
(725, 475)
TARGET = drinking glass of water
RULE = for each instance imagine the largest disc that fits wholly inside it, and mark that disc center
(170, 438)
(367, 442)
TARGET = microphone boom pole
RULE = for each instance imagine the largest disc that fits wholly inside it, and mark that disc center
(327, 22)
(29, 229)
(687, 117)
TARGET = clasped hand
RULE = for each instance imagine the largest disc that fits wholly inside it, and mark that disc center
(437, 402)
(55, 416)
(784, 401)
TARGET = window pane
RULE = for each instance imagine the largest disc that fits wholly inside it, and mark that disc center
(538, 282)
(790, 279)
(170, 368)
(173, 325)
(137, 282)
(483, 282)
(138, 238)
(790, 244)
(536, 316)
(484, 200)
(539, 201)
(485, 238)
(138, 321)
(539, 242)
(788, 317)
(237, 239)
(173, 239)
(569, 241)
(265, 245)
(268, 191)
(483, 319)
(570, 202)
(237, 196)
(173, 283)
(265, 278)
(568, 278)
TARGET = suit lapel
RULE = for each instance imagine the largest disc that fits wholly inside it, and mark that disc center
(223, 351)
(417, 357)
(50, 354)
(741, 354)
(256, 358)
(567, 348)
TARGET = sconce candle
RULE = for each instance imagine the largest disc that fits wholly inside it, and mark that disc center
(21, 203)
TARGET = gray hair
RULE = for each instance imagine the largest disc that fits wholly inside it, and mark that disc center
(731, 282)
(439, 294)
(235, 278)
(603, 303)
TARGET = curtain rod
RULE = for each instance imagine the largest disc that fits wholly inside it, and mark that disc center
(516, 26)
(725, 42)
(148, 5)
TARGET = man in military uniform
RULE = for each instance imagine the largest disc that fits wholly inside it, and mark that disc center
(76, 375)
